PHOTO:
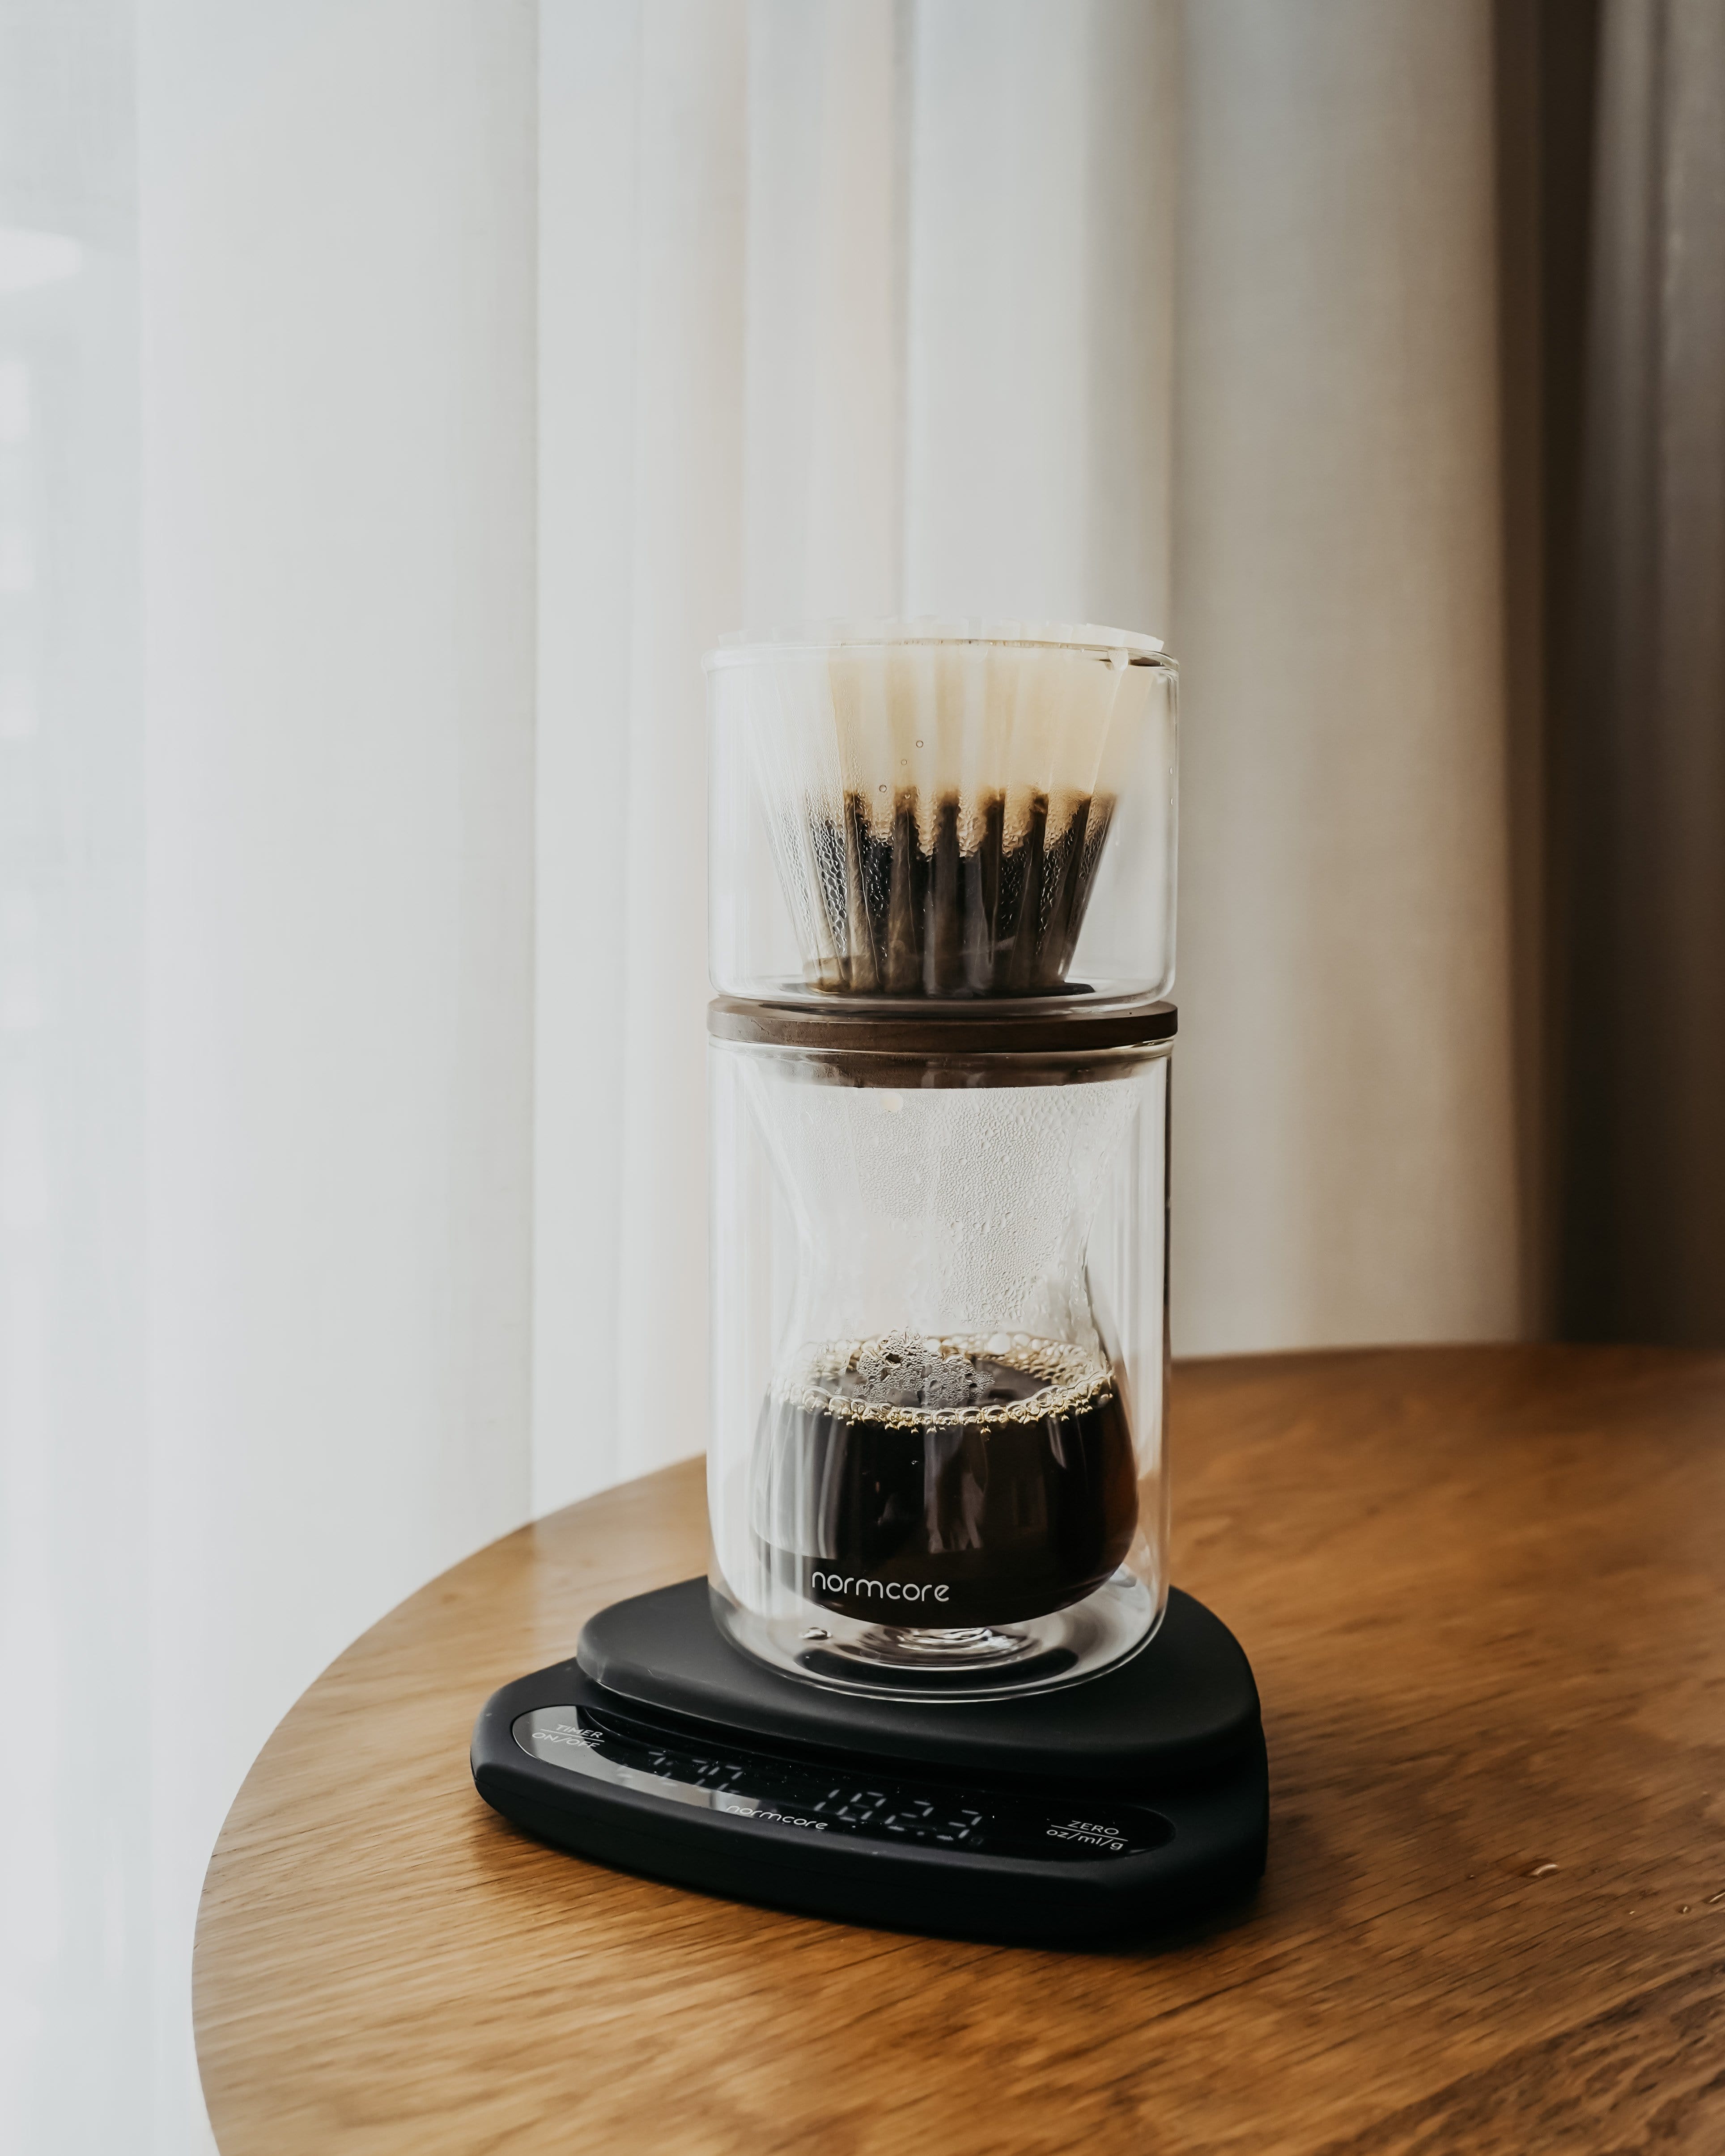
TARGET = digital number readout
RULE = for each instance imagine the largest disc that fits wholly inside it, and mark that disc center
(773, 1791)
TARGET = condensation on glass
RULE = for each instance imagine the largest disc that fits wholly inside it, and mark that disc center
(942, 919)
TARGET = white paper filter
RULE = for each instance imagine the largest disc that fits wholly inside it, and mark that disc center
(937, 796)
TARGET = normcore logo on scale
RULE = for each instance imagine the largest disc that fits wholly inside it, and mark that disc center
(889, 1590)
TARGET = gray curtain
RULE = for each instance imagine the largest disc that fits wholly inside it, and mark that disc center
(1629, 110)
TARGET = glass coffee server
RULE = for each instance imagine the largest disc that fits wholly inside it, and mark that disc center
(942, 924)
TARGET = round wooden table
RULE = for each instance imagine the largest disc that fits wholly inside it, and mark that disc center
(1481, 1589)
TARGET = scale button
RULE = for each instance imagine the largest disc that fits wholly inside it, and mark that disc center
(1098, 1833)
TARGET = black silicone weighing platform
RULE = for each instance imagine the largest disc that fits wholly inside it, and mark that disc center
(1120, 1803)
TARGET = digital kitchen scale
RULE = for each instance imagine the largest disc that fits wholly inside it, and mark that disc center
(1116, 1803)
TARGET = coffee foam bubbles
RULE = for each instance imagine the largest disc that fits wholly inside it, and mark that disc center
(943, 1370)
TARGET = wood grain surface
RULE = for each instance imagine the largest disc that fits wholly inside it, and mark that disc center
(1481, 1589)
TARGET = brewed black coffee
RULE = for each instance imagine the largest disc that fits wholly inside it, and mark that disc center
(956, 902)
(942, 1484)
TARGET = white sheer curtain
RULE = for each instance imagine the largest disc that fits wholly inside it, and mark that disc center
(1095, 309)
(396, 397)
(1345, 1164)
(266, 896)
(76, 1847)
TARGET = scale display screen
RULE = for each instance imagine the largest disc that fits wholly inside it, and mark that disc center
(803, 1794)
